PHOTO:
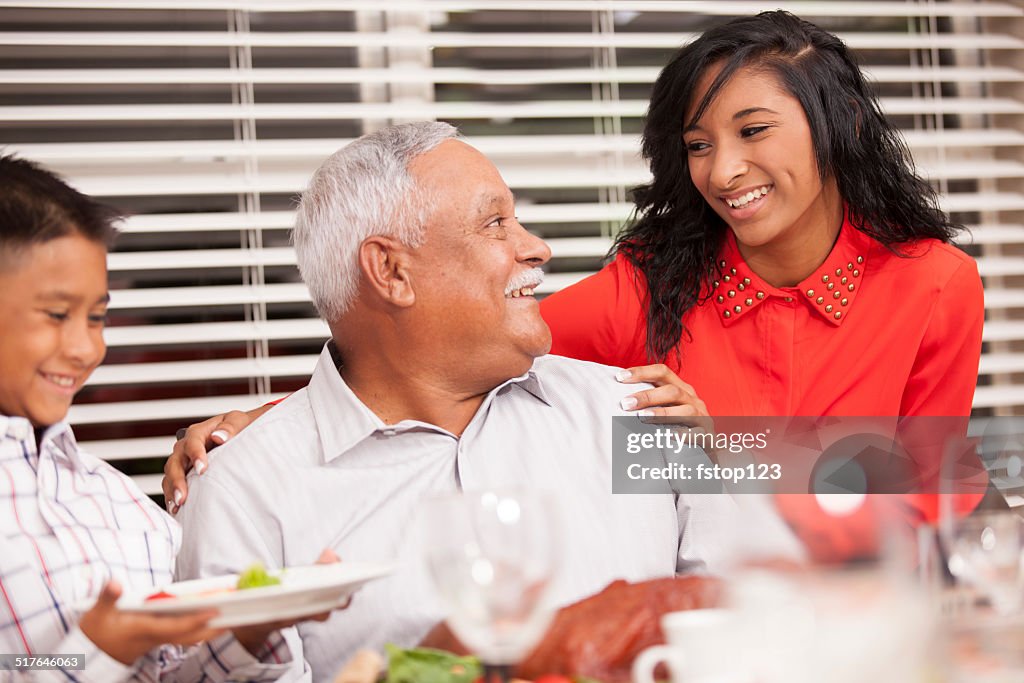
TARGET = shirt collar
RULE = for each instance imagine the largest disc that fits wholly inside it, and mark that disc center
(343, 421)
(829, 291)
(20, 429)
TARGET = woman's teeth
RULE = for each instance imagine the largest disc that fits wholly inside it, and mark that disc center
(748, 197)
(522, 291)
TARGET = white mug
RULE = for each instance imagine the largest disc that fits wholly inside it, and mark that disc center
(700, 649)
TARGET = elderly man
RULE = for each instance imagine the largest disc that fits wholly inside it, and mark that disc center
(435, 381)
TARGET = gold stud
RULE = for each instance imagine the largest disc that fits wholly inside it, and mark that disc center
(850, 287)
(788, 299)
(721, 299)
(849, 266)
(716, 283)
(824, 278)
(810, 292)
(727, 278)
(836, 295)
(737, 309)
(820, 300)
(831, 286)
(845, 301)
(839, 314)
(828, 309)
(722, 263)
(731, 293)
(732, 270)
(860, 259)
(844, 280)
(749, 302)
(839, 271)
(746, 280)
(856, 273)
(741, 286)
(760, 295)
(727, 314)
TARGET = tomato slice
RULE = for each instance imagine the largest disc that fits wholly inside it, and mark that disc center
(162, 595)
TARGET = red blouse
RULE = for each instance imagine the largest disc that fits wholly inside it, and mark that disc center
(869, 333)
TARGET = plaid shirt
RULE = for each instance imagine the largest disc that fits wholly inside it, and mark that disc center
(68, 523)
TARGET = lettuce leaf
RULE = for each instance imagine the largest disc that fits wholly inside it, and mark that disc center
(256, 576)
(423, 665)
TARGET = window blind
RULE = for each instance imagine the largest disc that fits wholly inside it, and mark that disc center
(205, 119)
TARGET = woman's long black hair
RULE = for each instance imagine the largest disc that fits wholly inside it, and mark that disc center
(674, 239)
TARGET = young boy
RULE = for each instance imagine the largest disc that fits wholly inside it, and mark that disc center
(71, 526)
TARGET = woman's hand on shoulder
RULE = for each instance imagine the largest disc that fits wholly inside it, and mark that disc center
(671, 401)
(190, 450)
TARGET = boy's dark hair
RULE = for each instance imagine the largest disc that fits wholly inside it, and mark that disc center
(675, 237)
(36, 206)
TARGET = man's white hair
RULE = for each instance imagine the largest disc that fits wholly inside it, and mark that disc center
(363, 189)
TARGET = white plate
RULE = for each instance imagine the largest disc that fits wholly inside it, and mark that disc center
(303, 591)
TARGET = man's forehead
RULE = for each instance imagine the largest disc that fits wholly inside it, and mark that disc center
(490, 199)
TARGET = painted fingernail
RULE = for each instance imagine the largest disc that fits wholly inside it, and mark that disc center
(200, 467)
(645, 413)
(177, 497)
(220, 436)
(623, 375)
(628, 403)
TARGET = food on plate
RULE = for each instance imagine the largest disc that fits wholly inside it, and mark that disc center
(600, 636)
(256, 576)
(365, 666)
(159, 595)
(425, 665)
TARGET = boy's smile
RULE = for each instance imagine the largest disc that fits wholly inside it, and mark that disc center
(53, 304)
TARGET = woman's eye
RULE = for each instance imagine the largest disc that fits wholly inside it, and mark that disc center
(98, 319)
(57, 315)
(751, 131)
(696, 147)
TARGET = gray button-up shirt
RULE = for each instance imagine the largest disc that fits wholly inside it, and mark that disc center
(321, 470)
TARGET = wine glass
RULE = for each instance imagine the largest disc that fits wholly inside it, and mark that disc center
(984, 539)
(493, 557)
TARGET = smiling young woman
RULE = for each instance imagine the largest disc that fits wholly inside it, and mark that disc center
(785, 258)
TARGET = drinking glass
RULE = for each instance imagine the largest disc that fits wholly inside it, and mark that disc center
(983, 538)
(493, 557)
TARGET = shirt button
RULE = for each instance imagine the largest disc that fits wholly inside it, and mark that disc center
(388, 432)
(18, 429)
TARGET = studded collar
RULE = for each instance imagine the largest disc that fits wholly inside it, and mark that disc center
(829, 291)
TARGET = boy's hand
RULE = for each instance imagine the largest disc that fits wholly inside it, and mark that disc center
(190, 450)
(127, 636)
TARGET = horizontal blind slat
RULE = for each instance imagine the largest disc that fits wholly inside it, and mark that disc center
(708, 7)
(437, 39)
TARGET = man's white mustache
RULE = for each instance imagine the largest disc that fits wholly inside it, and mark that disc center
(528, 278)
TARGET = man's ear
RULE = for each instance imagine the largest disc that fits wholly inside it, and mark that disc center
(384, 262)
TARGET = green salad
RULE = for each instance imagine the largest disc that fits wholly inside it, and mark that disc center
(423, 665)
(256, 576)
